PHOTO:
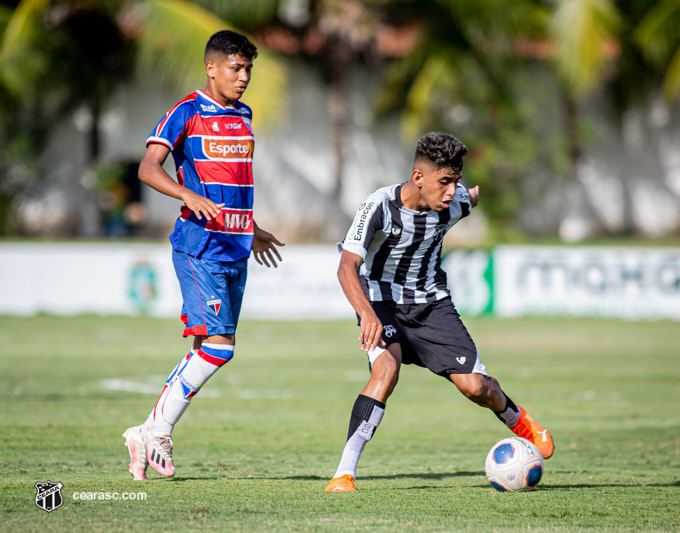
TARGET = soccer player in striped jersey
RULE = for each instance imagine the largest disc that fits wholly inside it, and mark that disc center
(210, 136)
(390, 272)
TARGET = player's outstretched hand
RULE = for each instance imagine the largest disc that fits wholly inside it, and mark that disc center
(264, 243)
(474, 195)
(201, 205)
(371, 332)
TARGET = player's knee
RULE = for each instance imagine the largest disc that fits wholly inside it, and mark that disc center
(386, 373)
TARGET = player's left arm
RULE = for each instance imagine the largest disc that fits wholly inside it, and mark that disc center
(473, 193)
(264, 243)
(474, 196)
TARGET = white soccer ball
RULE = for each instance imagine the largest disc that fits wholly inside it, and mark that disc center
(514, 464)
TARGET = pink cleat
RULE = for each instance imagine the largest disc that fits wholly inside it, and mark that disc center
(159, 453)
(135, 445)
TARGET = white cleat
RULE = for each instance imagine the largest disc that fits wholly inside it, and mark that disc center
(159, 453)
(134, 441)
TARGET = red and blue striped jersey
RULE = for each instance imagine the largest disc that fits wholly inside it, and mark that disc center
(212, 146)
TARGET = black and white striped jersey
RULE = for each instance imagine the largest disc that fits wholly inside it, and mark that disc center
(401, 248)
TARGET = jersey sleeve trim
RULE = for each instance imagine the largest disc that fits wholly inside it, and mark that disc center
(159, 140)
(353, 248)
(173, 126)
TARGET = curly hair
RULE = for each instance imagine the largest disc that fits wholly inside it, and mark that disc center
(442, 150)
(227, 43)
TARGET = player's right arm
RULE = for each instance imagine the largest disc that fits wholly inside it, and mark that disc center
(152, 173)
(371, 327)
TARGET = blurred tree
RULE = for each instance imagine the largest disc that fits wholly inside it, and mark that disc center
(345, 29)
(477, 67)
(658, 35)
(466, 76)
(58, 56)
(584, 36)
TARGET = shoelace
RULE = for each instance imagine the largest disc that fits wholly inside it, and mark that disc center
(163, 445)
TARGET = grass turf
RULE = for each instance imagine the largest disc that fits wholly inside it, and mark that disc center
(259, 443)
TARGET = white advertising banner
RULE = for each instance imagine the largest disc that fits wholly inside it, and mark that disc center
(630, 283)
(133, 279)
(510, 281)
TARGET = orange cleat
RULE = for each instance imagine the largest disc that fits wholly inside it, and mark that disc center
(529, 429)
(341, 484)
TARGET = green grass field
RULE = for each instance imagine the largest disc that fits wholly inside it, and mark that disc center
(258, 445)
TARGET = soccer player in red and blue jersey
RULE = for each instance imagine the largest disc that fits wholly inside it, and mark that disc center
(210, 136)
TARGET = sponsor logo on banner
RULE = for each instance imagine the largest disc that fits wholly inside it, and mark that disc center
(227, 148)
(588, 281)
(214, 305)
(49, 496)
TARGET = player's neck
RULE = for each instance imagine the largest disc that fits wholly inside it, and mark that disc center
(212, 93)
(411, 198)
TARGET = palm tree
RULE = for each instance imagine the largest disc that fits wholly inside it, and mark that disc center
(585, 36)
(57, 56)
(658, 35)
(465, 76)
(85, 48)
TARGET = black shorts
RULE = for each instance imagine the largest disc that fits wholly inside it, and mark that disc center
(431, 335)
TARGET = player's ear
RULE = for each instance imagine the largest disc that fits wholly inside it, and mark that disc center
(417, 176)
(210, 68)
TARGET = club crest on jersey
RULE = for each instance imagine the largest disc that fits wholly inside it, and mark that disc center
(49, 496)
(214, 305)
(396, 231)
(440, 230)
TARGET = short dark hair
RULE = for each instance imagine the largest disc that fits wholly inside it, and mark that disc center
(227, 43)
(442, 150)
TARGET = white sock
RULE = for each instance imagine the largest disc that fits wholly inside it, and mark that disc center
(368, 412)
(510, 416)
(164, 393)
(186, 383)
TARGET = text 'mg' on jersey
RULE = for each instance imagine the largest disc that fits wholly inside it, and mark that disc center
(212, 147)
(402, 248)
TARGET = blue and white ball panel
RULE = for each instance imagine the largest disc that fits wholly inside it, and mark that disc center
(504, 453)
